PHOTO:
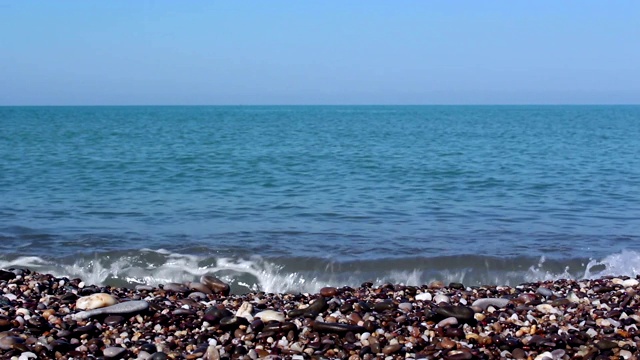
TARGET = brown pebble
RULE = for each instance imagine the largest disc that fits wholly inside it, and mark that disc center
(391, 349)
(447, 343)
(328, 291)
(459, 355)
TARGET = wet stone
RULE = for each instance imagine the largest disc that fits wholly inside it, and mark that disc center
(6, 275)
(216, 285)
(462, 313)
(328, 291)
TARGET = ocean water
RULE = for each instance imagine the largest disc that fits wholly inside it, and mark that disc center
(295, 198)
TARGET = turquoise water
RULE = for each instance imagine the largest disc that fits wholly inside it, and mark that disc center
(320, 195)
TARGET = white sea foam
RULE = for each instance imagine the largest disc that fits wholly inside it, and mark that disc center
(257, 274)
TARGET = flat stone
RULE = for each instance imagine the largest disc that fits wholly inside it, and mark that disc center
(497, 303)
(175, 287)
(128, 307)
(325, 327)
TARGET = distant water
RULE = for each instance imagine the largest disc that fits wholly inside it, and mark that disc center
(295, 198)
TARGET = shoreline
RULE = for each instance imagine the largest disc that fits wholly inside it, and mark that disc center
(42, 316)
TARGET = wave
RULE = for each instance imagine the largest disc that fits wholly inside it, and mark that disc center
(300, 275)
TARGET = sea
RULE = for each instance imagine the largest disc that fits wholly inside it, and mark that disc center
(295, 198)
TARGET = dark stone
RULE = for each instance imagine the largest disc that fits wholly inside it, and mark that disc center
(324, 327)
(454, 332)
(310, 311)
(391, 349)
(7, 275)
(175, 287)
(68, 298)
(61, 346)
(462, 313)
(87, 329)
(606, 344)
(350, 337)
(150, 348)
(159, 356)
(39, 323)
(384, 305)
(278, 327)
(457, 286)
(214, 314)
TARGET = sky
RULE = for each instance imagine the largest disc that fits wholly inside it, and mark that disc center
(319, 52)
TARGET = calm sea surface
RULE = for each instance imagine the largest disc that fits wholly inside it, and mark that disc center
(294, 198)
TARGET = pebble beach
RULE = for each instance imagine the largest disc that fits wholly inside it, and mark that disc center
(48, 317)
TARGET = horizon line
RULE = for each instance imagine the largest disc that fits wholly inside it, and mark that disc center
(302, 105)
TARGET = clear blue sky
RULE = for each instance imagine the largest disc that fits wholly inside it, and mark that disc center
(319, 52)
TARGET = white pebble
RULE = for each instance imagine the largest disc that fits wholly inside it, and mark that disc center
(441, 298)
(544, 356)
(450, 321)
(245, 311)
(95, 301)
(625, 354)
(546, 309)
(143, 355)
(269, 315)
(630, 282)
(27, 355)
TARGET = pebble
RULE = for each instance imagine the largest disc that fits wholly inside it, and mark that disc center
(544, 291)
(95, 301)
(462, 313)
(441, 298)
(121, 308)
(114, 352)
(270, 315)
(497, 303)
(593, 318)
(215, 285)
